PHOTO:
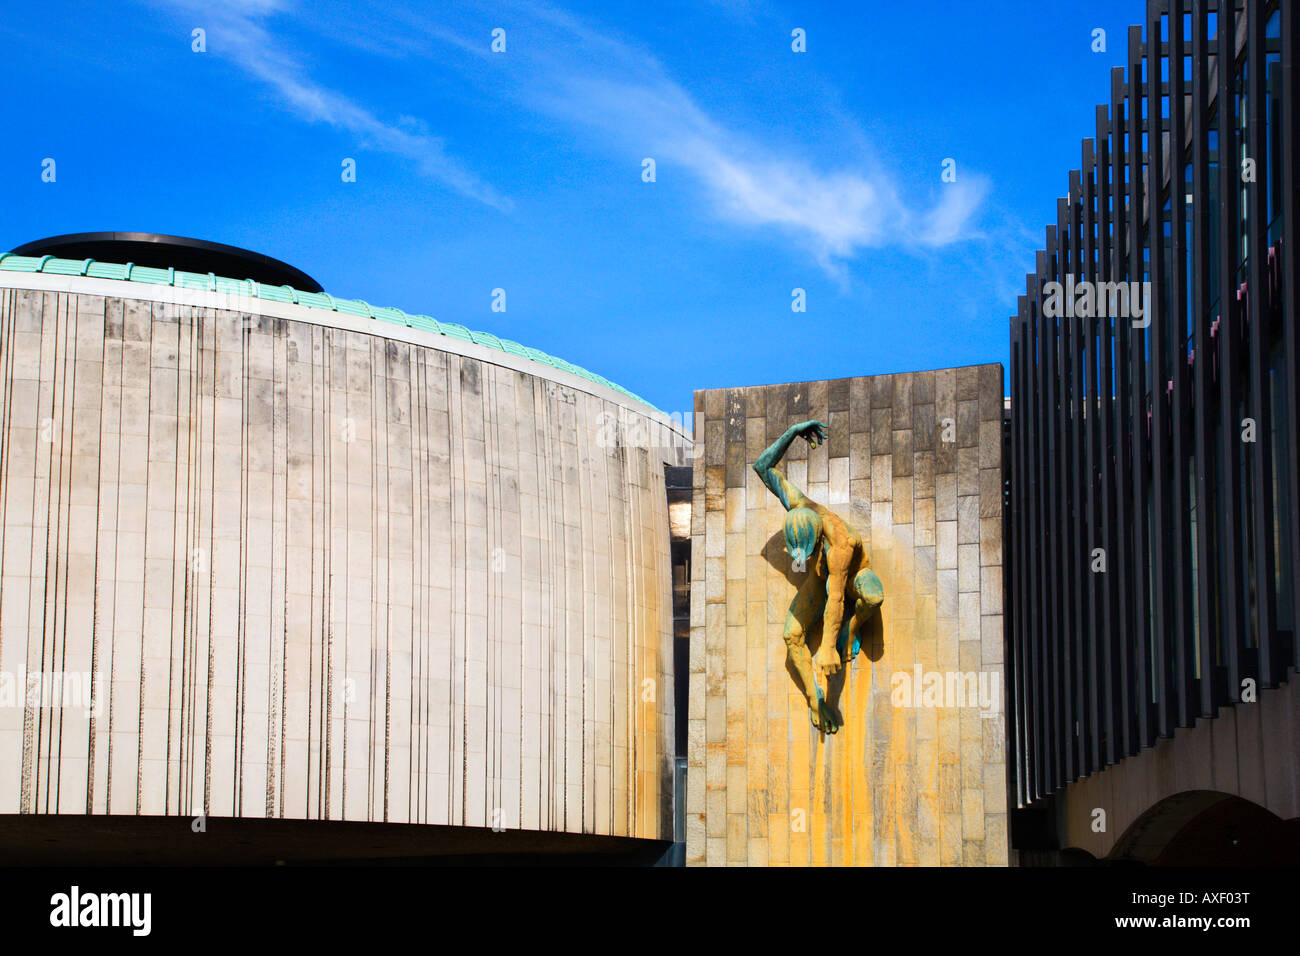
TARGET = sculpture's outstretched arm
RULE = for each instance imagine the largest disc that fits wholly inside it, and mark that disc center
(814, 432)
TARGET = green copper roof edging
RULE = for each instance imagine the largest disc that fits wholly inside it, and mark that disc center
(129, 272)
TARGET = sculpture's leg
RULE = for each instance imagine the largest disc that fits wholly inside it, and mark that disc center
(848, 643)
(850, 639)
(839, 556)
(804, 612)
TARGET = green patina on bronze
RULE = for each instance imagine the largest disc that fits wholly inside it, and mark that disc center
(831, 555)
(207, 282)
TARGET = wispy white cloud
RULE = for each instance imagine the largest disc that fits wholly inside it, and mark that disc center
(952, 219)
(623, 97)
(237, 29)
(618, 94)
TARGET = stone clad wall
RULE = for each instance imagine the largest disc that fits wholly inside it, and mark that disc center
(898, 785)
(323, 574)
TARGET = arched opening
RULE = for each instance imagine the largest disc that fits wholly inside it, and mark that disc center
(1209, 828)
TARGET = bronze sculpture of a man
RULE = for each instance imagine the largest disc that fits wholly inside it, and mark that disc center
(838, 573)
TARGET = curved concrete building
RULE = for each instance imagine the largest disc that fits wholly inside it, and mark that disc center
(270, 554)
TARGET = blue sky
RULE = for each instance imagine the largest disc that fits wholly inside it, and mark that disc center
(522, 170)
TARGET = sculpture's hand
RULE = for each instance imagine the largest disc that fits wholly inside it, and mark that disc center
(826, 662)
(813, 431)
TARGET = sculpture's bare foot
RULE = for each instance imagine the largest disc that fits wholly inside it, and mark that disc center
(823, 718)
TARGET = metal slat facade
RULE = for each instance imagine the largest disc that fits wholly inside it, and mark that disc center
(1167, 440)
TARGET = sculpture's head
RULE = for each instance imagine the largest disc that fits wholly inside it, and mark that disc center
(803, 532)
(868, 590)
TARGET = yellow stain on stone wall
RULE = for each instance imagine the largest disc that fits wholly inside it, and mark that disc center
(897, 785)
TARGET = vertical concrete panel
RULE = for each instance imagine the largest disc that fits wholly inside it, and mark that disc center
(14, 554)
(106, 546)
(300, 694)
(81, 466)
(340, 687)
(184, 574)
(444, 730)
(399, 764)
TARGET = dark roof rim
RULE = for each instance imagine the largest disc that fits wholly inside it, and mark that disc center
(48, 246)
